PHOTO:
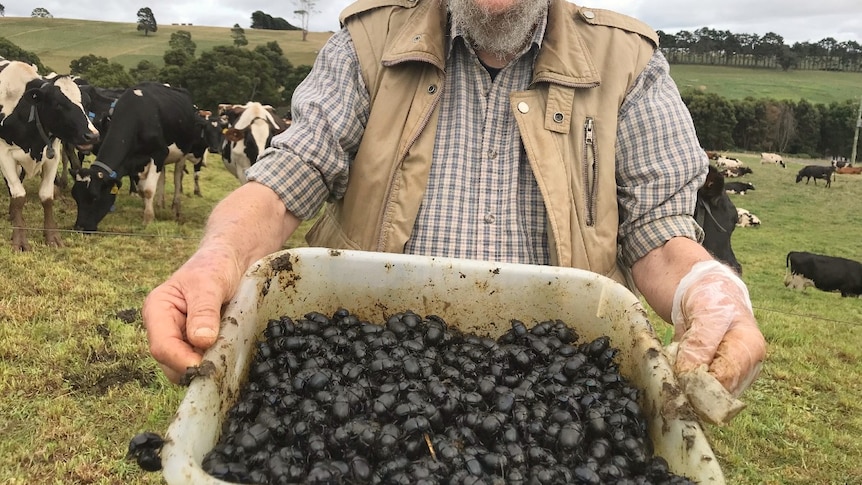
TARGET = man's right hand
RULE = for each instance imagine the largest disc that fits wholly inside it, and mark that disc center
(182, 315)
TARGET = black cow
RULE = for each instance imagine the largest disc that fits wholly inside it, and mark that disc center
(717, 215)
(738, 187)
(815, 172)
(147, 122)
(99, 103)
(36, 116)
(826, 273)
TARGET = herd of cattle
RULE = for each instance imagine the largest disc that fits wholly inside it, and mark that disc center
(48, 121)
(718, 216)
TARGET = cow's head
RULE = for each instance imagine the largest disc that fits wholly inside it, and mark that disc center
(210, 128)
(717, 215)
(95, 192)
(58, 108)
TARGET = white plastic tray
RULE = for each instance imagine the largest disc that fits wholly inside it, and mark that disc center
(465, 293)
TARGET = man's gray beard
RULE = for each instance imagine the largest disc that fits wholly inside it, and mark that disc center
(501, 35)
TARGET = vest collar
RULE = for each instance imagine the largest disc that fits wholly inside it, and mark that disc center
(563, 59)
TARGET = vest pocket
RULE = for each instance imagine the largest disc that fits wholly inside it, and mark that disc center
(590, 168)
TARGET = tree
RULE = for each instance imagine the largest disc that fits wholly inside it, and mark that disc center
(12, 52)
(182, 40)
(144, 71)
(2, 10)
(228, 74)
(260, 20)
(147, 21)
(238, 34)
(714, 118)
(98, 71)
(81, 65)
(305, 10)
(41, 12)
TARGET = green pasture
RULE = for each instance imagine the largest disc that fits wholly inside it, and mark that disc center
(59, 41)
(77, 381)
(738, 83)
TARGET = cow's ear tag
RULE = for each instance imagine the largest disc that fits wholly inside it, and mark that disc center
(115, 190)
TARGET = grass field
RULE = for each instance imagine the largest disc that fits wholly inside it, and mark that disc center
(77, 382)
(738, 83)
(59, 41)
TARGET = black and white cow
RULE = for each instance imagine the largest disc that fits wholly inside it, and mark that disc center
(744, 218)
(251, 128)
(717, 215)
(147, 121)
(826, 273)
(208, 139)
(37, 116)
(815, 172)
(738, 187)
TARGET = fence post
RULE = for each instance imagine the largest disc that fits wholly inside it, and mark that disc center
(856, 133)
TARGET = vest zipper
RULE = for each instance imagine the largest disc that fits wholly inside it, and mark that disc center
(381, 244)
(590, 172)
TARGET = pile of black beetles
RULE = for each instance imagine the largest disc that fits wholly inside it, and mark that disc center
(415, 402)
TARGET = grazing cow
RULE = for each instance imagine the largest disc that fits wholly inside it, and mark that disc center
(848, 170)
(712, 155)
(36, 116)
(146, 121)
(745, 218)
(251, 129)
(772, 158)
(826, 273)
(734, 172)
(717, 215)
(815, 172)
(738, 187)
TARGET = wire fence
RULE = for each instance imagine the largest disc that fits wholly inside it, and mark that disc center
(185, 237)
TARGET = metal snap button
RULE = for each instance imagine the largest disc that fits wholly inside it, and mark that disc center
(523, 107)
(432, 89)
(558, 117)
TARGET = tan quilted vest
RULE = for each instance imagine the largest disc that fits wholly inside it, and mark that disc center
(567, 120)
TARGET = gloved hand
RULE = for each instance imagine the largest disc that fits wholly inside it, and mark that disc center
(715, 327)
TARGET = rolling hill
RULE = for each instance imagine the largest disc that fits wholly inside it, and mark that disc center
(58, 41)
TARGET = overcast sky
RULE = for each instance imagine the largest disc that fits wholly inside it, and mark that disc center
(794, 20)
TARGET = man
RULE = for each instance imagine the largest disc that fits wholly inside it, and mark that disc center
(529, 131)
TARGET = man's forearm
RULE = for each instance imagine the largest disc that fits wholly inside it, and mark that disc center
(657, 274)
(248, 224)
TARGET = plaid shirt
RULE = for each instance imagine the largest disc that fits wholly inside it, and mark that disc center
(482, 200)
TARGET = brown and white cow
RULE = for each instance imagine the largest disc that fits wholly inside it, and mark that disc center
(848, 170)
(37, 115)
(251, 129)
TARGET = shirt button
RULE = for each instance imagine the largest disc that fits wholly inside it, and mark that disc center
(489, 218)
(492, 154)
(523, 107)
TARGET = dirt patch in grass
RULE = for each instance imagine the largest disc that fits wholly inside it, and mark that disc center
(96, 381)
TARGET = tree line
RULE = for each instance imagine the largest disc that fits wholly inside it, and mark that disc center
(235, 74)
(223, 74)
(799, 127)
(722, 47)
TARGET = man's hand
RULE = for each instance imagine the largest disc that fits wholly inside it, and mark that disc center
(714, 325)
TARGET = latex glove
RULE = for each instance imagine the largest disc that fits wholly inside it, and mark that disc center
(715, 327)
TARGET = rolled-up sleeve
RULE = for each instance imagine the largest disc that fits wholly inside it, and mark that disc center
(660, 165)
(309, 163)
